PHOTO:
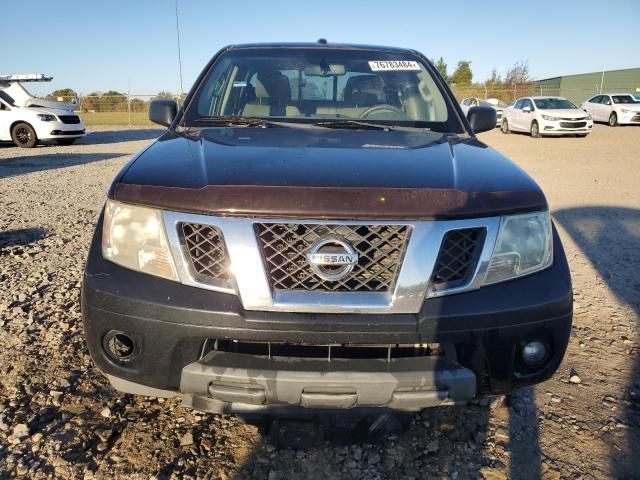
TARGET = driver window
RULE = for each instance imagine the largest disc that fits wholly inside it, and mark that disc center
(606, 100)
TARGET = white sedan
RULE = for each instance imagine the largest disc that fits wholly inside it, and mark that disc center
(614, 108)
(467, 103)
(541, 116)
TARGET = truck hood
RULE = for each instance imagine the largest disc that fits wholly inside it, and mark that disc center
(326, 173)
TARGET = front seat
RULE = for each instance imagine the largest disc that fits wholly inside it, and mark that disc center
(273, 94)
(364, 91)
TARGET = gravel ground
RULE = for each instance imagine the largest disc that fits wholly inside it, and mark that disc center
(60, 419)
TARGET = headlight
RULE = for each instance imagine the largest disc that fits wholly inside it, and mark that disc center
(134, 237)
(588, 116)
(524, 245)
(552, 119)
(45, 117)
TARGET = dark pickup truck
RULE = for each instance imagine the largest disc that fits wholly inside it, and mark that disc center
(320, 228)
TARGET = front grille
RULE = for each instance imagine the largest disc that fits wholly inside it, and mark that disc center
(71, 119)
(458, 257)
(573, 124)
(326, 352)
(206, 251)
(67, 132)
(285, 246)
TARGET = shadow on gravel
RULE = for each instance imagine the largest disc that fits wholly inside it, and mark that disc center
(118, 136)
(610, 238)
(440, 442)
(22, 237)
(13, 167)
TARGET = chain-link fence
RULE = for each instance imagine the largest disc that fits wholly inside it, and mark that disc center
(123, 109)
(116, 109)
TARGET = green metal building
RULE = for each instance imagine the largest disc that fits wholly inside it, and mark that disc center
(579, 88)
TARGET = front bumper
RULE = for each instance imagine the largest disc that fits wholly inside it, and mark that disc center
(563, 127)
(53, 130)
(170, 323)
(629, 118)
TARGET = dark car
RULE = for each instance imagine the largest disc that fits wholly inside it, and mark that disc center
(320, 228)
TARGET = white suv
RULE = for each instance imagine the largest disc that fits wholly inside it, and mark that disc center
(546, 116)
(27, 123)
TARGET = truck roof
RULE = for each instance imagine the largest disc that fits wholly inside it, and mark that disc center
(321, 45)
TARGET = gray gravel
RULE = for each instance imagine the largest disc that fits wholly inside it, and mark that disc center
(60, 419)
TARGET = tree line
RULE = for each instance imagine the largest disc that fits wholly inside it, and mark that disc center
(111, 101)
(516, 80)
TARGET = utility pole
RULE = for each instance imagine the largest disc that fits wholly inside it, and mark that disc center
(602, 80)
(179, 53)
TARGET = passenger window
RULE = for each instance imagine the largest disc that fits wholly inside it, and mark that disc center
(596, 99)
(317, 88)
(606, 100)
(519, 104)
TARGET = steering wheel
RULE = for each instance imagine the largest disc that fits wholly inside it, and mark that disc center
(381, 108)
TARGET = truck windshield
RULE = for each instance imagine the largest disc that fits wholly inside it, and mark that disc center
(322, 85)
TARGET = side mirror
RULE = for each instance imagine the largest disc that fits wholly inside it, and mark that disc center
(527, 109)
(163, 112)
(482, 118)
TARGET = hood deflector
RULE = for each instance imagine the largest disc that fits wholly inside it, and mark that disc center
(331, 202)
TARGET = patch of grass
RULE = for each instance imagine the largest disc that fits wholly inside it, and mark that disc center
(115, 118)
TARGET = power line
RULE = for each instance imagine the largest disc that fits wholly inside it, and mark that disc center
(179, 53)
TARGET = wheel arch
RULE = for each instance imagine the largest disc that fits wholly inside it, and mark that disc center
(13, 124)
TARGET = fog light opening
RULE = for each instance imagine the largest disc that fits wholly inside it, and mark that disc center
(534, 353)
(119, 346)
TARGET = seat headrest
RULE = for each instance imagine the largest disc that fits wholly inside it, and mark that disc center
(273, 84)
(364, 90)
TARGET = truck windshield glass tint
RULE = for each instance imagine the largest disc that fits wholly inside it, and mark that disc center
(312, 85)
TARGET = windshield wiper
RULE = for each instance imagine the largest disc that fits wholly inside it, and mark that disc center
(354, 124)
(359, 125)
(240, 122)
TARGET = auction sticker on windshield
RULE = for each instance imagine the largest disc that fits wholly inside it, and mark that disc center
(387, 65)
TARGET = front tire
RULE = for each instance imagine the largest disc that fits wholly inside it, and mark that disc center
(535, 129)
(504, 127)
(23, 135)
(65, 141)
(613, 120)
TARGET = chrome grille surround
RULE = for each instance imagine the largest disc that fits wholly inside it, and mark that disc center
(380, 251)
(251, 283)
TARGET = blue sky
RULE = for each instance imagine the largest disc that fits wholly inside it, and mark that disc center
(102, 45)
